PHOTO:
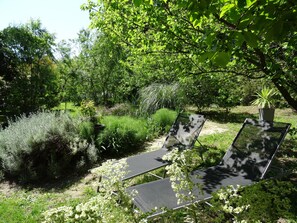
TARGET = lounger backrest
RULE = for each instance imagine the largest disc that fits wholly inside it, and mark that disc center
(184, 131)
(254, 147)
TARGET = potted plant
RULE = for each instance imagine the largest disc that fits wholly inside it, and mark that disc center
(265, 101)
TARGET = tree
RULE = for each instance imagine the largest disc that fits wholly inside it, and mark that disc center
(27, 69)
(256, 39)
(101, 74)
(68, 68)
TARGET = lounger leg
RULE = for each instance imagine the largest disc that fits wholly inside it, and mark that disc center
(164, 173)
(202, 150)
(98, 188)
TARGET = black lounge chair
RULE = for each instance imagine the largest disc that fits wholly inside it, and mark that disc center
(245, 162)
(183, 135)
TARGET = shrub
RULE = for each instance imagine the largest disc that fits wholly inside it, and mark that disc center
(122, 134)
(266, 201)
(121, 109)
(69, 107)
(42, 146)
(200, 90)
(86, 130)
(88, 108)
(163, 119)
(204, 91)
(157, 96)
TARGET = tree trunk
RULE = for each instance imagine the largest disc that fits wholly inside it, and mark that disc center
(291, 101)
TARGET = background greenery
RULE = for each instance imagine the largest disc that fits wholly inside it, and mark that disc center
(213, 54)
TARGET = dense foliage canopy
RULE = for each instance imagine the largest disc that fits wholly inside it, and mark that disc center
(95, 73)
(27, 78)
(256, 39)
(217, 52)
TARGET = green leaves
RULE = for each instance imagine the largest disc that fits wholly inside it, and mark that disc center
(221, 58)
(27, 67)
(251, 39)
(137, 2)
(265, 98)
(250, 2)
(199, 32)
(226, 8)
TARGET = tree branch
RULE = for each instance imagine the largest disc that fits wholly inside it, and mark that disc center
(237, 73)
(229, 24)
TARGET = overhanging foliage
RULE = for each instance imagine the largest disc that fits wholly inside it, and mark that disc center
(252, 38)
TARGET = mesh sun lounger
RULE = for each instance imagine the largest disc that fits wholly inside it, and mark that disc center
(183, 135)
(245, 162)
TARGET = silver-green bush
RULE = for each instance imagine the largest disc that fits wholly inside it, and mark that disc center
(43, 145)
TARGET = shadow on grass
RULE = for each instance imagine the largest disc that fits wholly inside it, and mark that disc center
(285, 163)
(54, 185)
(225, 117)
(211, 156)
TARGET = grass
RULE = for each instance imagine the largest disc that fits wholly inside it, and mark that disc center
(68, 107)
(27, 207)
(13, 207)
(122, 135)
(23, 205)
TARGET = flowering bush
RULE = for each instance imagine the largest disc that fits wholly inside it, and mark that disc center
(97, 209)
(266, 201)
(179, 171)
(228, 198)
(110, 174)
(183, 183)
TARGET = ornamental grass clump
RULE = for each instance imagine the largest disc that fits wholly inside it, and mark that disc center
(156, 96)
(163, 119)
(122, 135)
(43, 145)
